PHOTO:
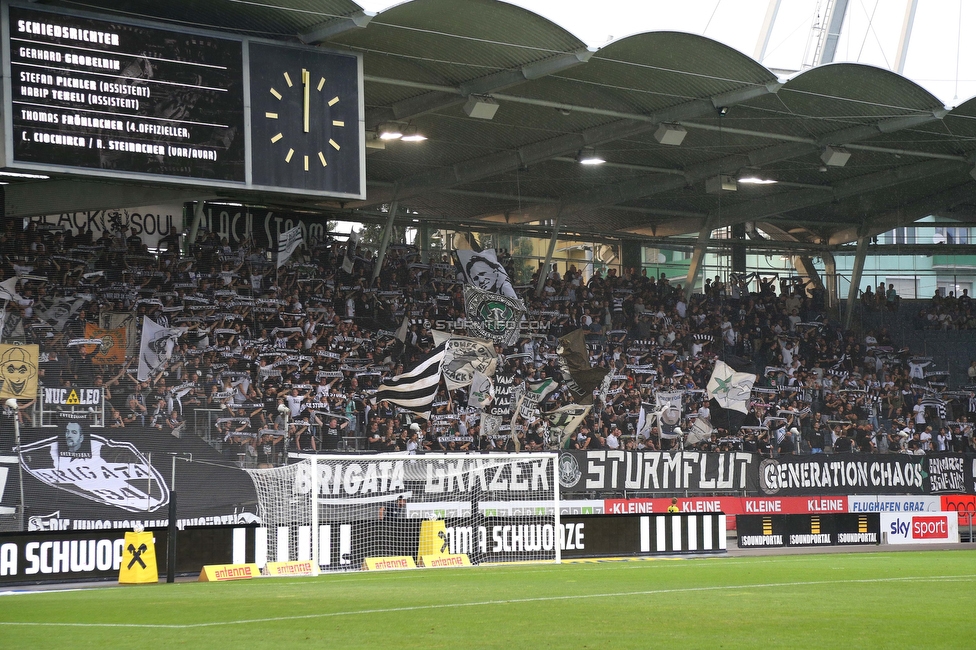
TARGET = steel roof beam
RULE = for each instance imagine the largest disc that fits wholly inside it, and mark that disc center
(332, 28)
(784, 203)
(449, 96)
(909, 213)
(561, 145)
(637, 188)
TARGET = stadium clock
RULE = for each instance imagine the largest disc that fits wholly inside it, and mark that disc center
(304, 119)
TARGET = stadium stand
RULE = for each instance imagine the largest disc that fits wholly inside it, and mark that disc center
(317, 340)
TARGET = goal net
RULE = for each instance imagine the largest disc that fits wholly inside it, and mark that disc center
(340, 510)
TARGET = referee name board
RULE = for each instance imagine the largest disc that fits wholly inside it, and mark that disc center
(104, 95)
(98, 95)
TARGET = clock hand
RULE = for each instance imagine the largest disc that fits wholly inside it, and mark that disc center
(305, 84)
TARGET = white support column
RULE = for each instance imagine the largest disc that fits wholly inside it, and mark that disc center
(834, 24)
(423, 234)
(385, 242)
(544, 271)
(766, 30)
(859, 255)
(830, 278)
(195, 224)
(701, 247)
(906, 36)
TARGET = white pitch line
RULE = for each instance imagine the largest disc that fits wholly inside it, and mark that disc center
(512, 601)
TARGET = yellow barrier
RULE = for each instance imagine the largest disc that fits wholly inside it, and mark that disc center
(224, 572)
(387, 563)
(299, 568)
(444, 561)
(138, 560)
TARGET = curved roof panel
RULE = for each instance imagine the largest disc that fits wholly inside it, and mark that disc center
(422, 58)
(477, 35)
(658, 69)
(854, 91)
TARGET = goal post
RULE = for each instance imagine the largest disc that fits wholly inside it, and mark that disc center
(339, 510)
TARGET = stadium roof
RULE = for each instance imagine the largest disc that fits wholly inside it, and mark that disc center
(909, 156)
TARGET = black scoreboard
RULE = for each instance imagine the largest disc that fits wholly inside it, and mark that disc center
(99, 96)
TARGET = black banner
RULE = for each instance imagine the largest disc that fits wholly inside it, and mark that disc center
(947, 473)
(843, 474)
(115, 478)
(263, 226)
(656, 471)
(63, 556)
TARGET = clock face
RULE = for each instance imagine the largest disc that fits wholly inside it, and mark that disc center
(304, 119)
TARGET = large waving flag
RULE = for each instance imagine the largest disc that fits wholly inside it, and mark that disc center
(111, 345)
(729, 388)
(567, 419)
(574, 362)
(492, 316)
(288, 243)
(465, 355)
(482, 391)
(8, 289)
(415, 389)
(349, 259)
(156, 347)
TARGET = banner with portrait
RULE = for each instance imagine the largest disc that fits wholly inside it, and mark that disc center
(482, 270)
(76, 477)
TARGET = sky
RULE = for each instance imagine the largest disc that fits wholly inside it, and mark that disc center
(939, 58)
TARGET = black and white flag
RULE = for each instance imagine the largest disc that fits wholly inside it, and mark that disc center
(349, 260)
(288, 243)
(415, 389)
(156, 347)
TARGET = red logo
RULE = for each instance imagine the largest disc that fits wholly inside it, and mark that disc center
(930, 528)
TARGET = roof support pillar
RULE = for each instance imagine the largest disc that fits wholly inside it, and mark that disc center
(859, 255)
(701, 247)
(834, 25)
(195, 224)
(543, 271)
(767, 29)
(805, 268)
(385, 241)
(424, 234)
(830, 277)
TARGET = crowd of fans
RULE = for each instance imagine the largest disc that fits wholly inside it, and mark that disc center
(286, 358)
(948, 312)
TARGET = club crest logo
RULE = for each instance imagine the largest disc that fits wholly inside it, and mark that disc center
(493, 316)
(569, 471)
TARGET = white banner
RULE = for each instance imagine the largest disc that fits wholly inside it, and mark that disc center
(928, 528)
(151, 223)
(889, 503)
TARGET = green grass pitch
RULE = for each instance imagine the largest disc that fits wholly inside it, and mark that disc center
(856, 600)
